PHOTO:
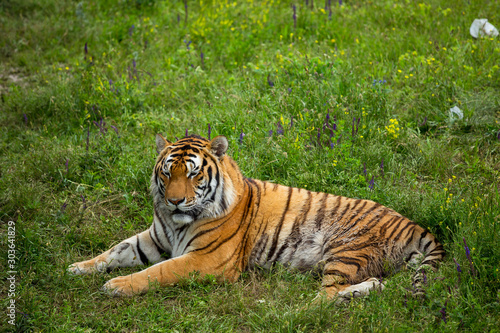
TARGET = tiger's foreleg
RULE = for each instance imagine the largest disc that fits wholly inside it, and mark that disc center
(136, 250)
(170, 272)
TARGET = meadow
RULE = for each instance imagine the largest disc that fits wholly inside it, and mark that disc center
(346, 97)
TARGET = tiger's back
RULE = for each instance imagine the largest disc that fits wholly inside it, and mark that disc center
(211, 219)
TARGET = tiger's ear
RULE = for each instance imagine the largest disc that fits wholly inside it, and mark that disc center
(161, 143)
(219, 145)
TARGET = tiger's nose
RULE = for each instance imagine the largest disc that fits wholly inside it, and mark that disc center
(175, 201)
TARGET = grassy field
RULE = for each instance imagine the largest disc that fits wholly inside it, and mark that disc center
(86, 85)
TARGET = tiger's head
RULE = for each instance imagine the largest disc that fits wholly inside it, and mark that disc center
(191, 179)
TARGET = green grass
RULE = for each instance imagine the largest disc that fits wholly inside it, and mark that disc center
(438, 170)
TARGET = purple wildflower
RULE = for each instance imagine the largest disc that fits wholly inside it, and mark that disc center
(443, 311)
(425, 121)
(458, 266)
(67, 165)
(187, 132)
(372, 183)
(271, 133)
(294, 16)
(340, 2)
(271, 83)
(331, 144)
(63, 207)
(101, 125)
(178, 18)
(84, 204)
(241, 137)
(357, 124)
(187, 44)
(202, 56)
(135, 68)
(327, 117)
(382, 167)
(115, 129)
(145, 44)
(26, 120)
(131, 30)
(467, 253)
(459, 270)
(498, 134)
(319, 137)
(364, 169)
(279, 130)
(290, 90)
(353, 121)
(86, 51)
(291, 121)
(209, 131)
(338, 140)
(329, 9)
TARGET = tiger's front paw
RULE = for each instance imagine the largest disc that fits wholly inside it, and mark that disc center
(87, 267)
(128, 285)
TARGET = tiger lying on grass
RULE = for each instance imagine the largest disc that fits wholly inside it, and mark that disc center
(209, 218)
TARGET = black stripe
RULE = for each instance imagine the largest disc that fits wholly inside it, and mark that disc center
(427, 245)
(408, 225)
(422, 237)
(409, 239)
(160, 250)
(335, 272)
(259, 248)
(383, 228)
(363, 214)
(143, 256)
(348, 248)
(321, 212)
(203, 232)
(396, 228)
(294, 234)
(244, 218)
(242, 246)
(352, 261)
(280, 225)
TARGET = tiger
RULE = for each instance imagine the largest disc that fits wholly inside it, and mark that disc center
(211, 220)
